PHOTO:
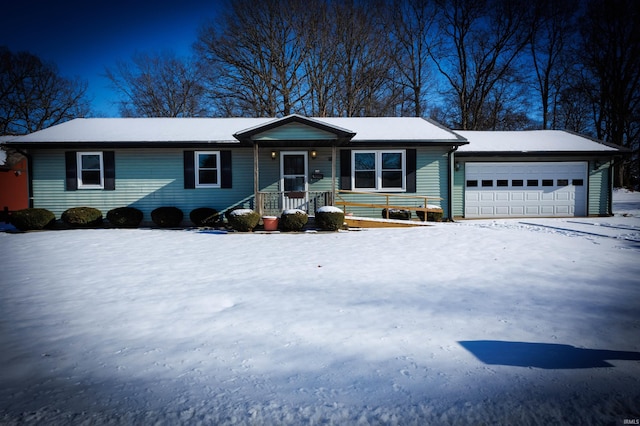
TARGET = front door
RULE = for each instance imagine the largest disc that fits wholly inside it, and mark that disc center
(293, 180)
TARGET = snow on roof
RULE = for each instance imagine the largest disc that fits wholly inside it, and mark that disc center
(222, 129)
(529, 141)
(393, 128)
(143, 130)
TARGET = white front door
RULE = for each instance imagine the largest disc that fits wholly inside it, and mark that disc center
(293, 179)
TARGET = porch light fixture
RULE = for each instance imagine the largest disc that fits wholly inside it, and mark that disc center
(273, 155)
(314, 154)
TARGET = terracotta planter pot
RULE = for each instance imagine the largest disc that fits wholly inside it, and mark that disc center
(270, 223)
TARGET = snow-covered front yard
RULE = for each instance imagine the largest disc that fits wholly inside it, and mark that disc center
(533, 321)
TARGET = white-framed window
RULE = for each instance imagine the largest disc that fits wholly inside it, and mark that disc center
(379, 170)
(90, 170)
(207, 169)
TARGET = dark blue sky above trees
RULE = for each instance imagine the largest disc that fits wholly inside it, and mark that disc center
(83, 37)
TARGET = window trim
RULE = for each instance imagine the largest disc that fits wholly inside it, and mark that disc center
(196, 169)
(81, 184)
(378, 169)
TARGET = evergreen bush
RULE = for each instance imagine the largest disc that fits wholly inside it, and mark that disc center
(32, 219)
(243, 220)
(293, 220)
(205, 216)
(431, 216)
(167, 217)
(82, 217)
(125, 217)
(227, 213)
(398, 214)
(329, 218)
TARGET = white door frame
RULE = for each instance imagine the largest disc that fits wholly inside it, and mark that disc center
(291, 203)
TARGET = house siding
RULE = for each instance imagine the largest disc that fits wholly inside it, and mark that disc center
(270, 168)
(431, 181)
(458, 190)
(599, 190)
(294, 131)
(145, 179)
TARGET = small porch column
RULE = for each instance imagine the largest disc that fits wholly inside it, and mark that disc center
(334, 153)
(256, 178)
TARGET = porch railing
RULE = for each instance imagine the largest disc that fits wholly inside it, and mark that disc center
(374, 202)
(274, 203)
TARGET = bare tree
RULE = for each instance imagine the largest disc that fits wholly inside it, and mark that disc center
(158, 85)
(318, 32)
(278, 57)
(610, 55)
(553, 30)
(255, 57)
(481, 41)
(33, 96)
(410, 26)
(365, 79)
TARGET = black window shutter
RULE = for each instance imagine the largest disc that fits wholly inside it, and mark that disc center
(225, 172)
(411, 170)
(345, 169)
(71, 174)
(189, 170)
(108, 158)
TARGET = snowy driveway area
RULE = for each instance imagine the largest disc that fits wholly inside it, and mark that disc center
(501, 322)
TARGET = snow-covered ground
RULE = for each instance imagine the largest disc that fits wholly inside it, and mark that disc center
(497, 322)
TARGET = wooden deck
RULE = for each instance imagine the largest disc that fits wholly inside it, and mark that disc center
(411, 203)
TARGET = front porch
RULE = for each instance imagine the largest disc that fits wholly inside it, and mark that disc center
(274, 203)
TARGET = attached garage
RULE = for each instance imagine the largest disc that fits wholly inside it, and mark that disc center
(535, 173)
(523, 189)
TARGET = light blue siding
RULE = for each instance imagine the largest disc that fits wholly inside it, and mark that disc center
(294, 131)
(151, 178)
(458, 190)
(145, 179)
(599, 190)
(270, 168)
(431, 181)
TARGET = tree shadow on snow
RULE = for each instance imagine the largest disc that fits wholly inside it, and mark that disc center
(543, 355)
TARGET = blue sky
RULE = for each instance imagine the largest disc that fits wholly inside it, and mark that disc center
(82, 37)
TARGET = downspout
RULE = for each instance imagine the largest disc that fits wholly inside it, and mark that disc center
(451, 166)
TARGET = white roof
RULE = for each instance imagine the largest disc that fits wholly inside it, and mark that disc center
(529, 141)
(391, 128)
(223, 129)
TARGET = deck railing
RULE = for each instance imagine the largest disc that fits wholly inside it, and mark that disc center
(274, 203)
(387, 201)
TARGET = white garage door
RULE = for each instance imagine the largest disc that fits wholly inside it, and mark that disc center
(525, 189)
